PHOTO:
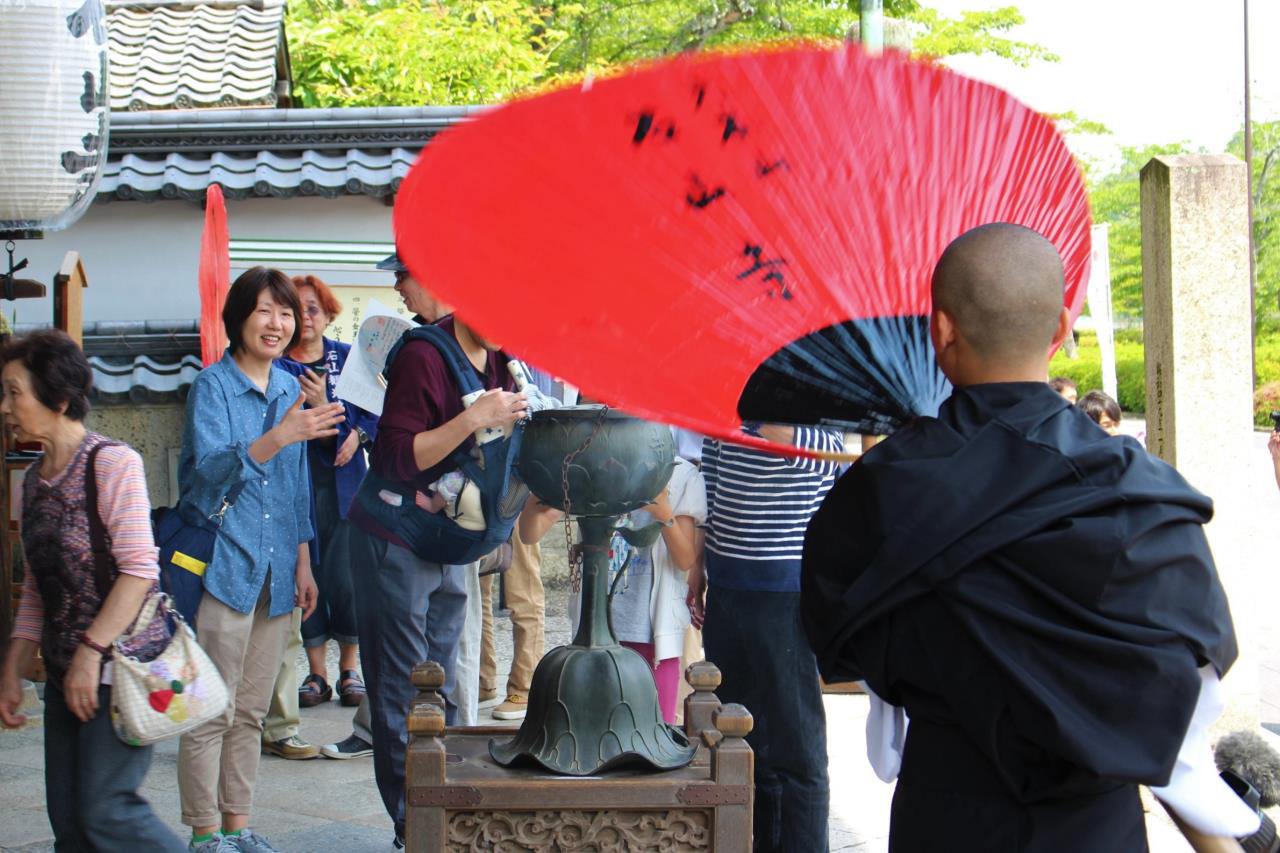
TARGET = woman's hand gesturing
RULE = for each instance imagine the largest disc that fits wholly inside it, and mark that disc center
(299, 424)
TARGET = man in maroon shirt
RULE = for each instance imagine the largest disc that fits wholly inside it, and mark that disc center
(426, 309)
(411, 609)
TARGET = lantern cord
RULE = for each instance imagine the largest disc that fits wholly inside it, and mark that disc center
(8, 278)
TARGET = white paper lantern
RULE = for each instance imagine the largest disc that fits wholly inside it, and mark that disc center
(53, 111)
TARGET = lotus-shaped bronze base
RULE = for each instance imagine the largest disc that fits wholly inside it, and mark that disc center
(593, 704)
(590, 709)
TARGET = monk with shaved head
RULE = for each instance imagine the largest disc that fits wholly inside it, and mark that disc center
(997, 306)
(1030, 602)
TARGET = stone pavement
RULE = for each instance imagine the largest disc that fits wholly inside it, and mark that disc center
(326, 805)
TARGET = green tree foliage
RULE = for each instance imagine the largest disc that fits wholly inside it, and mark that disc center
(1116, 200)
(387, 53)
(977, 33)
(1266, 219)
(611, 32)
(412, 52)
(1070, 123)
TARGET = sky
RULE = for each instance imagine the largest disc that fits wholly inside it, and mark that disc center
(1152, 71)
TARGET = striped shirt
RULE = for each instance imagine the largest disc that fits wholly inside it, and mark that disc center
(126, 512)
(758, 507)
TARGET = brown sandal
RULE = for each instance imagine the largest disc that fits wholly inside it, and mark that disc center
(350, 688)
(313, 691)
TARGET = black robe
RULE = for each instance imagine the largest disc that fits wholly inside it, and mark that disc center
(1038, 595)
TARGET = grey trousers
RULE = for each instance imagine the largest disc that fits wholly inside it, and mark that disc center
(92, 781)
(409, 610)
(362, 723)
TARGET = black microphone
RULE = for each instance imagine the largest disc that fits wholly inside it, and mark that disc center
(1251, 768)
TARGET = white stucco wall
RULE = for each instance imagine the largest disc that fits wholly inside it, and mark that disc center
(141, 258)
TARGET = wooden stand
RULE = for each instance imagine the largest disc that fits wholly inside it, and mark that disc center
(458, 799)
(68, 297)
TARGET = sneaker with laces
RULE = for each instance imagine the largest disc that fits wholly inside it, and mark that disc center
(249, 841)
(488, 695)
(218, 844)
(512, 709)
(293, 747)
(353, 747)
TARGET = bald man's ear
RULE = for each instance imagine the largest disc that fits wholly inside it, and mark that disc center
(944, 335)
(1064, 329)
(942, 330)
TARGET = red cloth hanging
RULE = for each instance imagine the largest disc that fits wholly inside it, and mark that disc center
(215, 275)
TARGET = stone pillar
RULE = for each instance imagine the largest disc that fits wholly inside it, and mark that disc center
(1199, 364)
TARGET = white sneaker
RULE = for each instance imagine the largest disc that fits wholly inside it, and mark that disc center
(353, 746)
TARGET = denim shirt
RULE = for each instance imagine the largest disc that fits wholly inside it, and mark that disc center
(272, 516)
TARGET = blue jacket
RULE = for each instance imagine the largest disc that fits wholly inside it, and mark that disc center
(348, 477)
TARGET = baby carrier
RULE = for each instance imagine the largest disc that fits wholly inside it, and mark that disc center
(437, 536)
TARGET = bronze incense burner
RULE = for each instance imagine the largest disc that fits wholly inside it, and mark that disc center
(593, 704)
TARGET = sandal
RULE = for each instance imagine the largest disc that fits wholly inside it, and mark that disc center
(350, 688)
(313, 691)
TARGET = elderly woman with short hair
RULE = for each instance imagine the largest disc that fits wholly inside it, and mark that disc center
(68, 609)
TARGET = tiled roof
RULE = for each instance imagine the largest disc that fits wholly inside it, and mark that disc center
(353, 172)
(178, 55)
(267, 153)
(142, 379)
(139, 362)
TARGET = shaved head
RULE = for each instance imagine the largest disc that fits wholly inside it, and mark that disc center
(1003, 287)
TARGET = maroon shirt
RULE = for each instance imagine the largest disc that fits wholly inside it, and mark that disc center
(421, 395)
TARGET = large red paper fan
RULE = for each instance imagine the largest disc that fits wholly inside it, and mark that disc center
(743, 234)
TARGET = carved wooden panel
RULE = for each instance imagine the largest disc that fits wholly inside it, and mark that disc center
(608, 831)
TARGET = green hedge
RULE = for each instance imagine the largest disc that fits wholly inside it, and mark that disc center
(1131, 379)
(1086, 371)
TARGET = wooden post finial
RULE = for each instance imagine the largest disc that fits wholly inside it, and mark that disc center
(733, 720)
(426, 720)
(703, 676)
(427, 675)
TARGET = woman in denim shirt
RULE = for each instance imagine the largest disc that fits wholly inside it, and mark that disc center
(261, 568)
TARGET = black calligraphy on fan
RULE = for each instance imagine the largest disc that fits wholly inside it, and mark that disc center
(700, 195)
(648, 126)
(652, 126)
(768, 270)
